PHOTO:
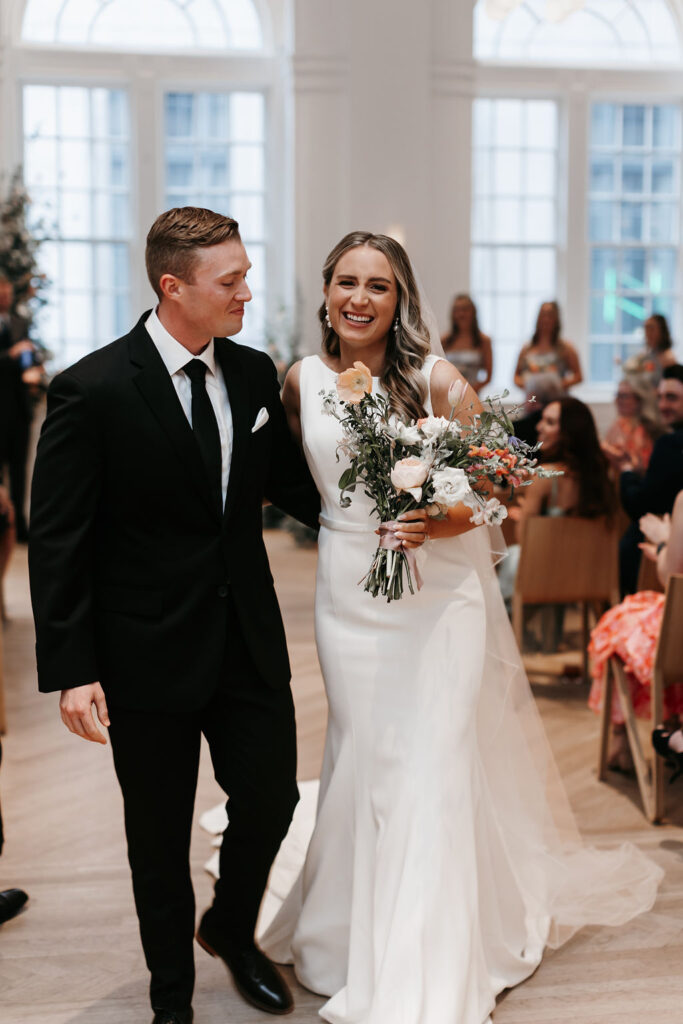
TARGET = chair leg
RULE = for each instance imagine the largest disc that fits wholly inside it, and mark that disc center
(585, 641)
(518, 620)
(605, 721)
(640, 761)
(657, 762)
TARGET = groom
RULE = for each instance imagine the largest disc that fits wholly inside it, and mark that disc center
(153, 598)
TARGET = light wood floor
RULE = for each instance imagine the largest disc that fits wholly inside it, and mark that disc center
(74, 954)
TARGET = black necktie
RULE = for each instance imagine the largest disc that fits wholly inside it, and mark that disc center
(205, 427)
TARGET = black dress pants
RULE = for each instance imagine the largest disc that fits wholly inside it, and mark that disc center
(251, 734)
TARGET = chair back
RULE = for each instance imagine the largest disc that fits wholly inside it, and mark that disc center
(669, 654)
(647, 576)
(567, 559)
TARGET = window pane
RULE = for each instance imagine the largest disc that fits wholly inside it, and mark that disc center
(598, 32)
(77, 159)
(634, 126)
(215, 158)
(631, 280)
(604, 124)
(514, 220)
(151, 25)
(664, 176)
(602, 177)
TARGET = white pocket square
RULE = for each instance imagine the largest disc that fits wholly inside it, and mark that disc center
(260, 420)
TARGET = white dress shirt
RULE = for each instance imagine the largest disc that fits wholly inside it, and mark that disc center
(175, 356)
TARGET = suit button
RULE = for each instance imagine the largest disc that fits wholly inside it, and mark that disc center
(223, 590)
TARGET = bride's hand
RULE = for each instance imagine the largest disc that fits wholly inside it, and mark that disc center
(415, 528)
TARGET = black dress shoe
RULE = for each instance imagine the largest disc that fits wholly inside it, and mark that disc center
(256, 978)
(11, 902)
(173, 1017)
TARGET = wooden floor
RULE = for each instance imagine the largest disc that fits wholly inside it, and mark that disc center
(74, 954)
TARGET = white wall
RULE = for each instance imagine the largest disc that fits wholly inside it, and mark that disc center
(382, 133)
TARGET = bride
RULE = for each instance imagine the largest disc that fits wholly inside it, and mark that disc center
(444, 856)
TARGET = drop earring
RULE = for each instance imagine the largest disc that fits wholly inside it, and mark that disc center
(327, 318)
(397, 324)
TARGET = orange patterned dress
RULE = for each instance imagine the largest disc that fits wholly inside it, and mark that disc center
(630, 631)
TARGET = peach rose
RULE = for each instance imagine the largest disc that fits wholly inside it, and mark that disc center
(409, 474)
(354, 383)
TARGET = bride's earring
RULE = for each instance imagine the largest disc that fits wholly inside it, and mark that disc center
(397, 324)
(327, 318)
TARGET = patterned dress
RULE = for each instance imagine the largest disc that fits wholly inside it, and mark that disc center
(630, 631)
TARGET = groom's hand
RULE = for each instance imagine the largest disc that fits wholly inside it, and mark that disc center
(76, 709)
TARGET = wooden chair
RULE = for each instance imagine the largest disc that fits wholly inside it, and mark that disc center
(668, 669)
(566, 560)
(647, 576)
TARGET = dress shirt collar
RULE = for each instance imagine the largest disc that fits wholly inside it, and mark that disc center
(175, 355)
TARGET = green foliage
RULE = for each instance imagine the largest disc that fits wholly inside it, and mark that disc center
(19, 249)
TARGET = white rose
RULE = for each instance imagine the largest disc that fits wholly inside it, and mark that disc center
(451, 486)
(433, 426)
(406, 433)
(409, 474)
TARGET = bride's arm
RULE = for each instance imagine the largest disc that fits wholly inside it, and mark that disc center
(291, 399)
(419, 526)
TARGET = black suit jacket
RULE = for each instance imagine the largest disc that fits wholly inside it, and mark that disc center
(130, 560)
(656, 491)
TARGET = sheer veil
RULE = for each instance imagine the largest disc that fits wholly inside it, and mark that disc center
(566, 883)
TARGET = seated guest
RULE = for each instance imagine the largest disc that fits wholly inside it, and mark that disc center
(632, 435)
(547, 352)
(630, 630)
(466, 346)
(650, 362)
(541, 388)
(570, 444)
(656, 489)
(11, 900)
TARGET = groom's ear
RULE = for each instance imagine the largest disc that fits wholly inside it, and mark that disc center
(171, 287)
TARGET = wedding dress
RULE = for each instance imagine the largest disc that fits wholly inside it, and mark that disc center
(444, 856)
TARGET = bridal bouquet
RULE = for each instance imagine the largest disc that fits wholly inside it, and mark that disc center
(434, 463)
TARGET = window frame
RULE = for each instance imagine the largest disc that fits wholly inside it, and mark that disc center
(575, 89)
(146, 77)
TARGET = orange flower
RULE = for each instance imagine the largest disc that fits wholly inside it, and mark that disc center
(352, 384)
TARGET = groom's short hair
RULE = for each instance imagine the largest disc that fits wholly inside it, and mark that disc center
(175, 236)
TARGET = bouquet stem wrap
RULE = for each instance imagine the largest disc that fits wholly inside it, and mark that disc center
(390, 542)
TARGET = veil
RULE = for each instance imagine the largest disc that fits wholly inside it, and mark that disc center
(566, 883)
(499, 549)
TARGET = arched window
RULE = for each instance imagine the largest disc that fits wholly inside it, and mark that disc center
(153, 25)
(110, 143)
(606, 242)
(598, 32)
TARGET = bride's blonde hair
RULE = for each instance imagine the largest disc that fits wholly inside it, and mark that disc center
(408, 344)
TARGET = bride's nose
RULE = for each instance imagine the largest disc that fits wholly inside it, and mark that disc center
(359, 296)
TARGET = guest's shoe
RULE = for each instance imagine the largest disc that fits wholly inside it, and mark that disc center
(11, 902)
(256, 978)
(660, 741)
(173, 1017)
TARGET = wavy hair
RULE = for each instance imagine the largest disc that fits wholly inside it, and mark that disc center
(454, 332)
(408, 344)
(557, 329)
(578, 447)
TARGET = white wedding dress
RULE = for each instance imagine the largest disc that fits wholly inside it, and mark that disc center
(444, 856)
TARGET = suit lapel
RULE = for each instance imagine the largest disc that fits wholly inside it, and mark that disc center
(156, 387)
(238, 393)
